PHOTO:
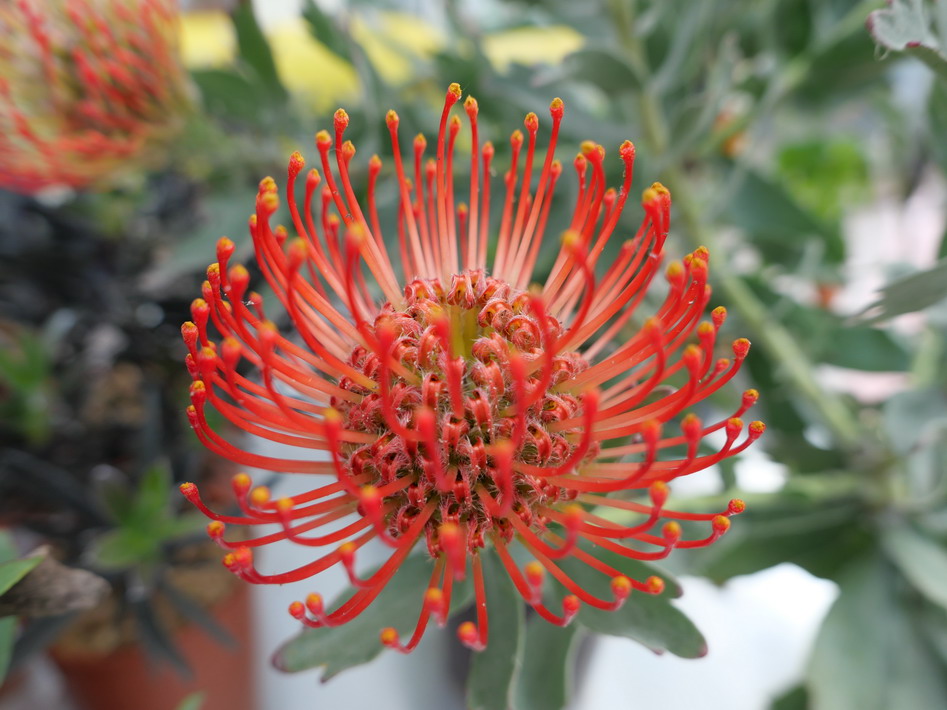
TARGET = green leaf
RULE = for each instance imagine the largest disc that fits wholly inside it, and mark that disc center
(908, 415)
(493, 670)
(228, 94)
(7, 635)
(254, 51)
(7, 548)
(323, 28)
(864, 348)
(194, 701)
(122, 548)
(13, 571)
(936, 120)
(635, 569)
(153, 496)
(159, 645)
(820, 536)
(921, 560)
(795, 699)
(770, 216)
(545, 678)
(904, 27)
(649, 619)
(868, 656)
(909, 294)
(602, 68)
(356, 642)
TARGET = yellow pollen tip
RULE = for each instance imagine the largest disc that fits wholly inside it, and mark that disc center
(721, 523)
(574, 513)
(388, 636)
(649, 195)
(347, 549)
(621, 586)
(284, 505)
(260, 496)
(571, 239)
(433, 597)
(331, 415)
(454, 90)
(660, 189)
(270, 200)
(671, 530)
(215, 528)
(655, 585)
(323, 137)
(242, 481)
(534, 571)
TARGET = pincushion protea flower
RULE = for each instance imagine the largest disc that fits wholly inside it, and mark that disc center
(84, 86)
(468, 409)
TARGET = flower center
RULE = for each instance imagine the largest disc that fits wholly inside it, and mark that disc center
(449, 409)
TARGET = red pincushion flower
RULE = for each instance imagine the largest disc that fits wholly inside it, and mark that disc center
(466, 410)
(84, 86)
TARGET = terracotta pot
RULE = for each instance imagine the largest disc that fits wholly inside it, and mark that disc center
(128, 679)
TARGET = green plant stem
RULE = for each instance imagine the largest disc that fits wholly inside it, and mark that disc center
(778, 341)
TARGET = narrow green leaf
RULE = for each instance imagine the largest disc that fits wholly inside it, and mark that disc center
(868, 656)
(121, 548)
(904, 27)
(357, 642)
(545, 679)
(153, 496)
(255, 51)
(493, 670)
(922, 560)
(155, 639)
(7, 633)
(909, 294)
(13, 571)
(795, 699)
(228, 94)
(323, 28)
(7, 548)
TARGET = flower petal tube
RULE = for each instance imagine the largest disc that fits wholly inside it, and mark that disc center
(469, 409)
(85, 87)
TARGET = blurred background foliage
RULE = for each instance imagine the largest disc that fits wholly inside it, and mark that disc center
(799, 146)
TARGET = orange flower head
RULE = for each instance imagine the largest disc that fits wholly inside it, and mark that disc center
(467, 408)
(86, 86)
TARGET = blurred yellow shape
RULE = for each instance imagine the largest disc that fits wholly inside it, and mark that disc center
(531, 45)
(392, 39)
(315, 75)
(207, 40)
